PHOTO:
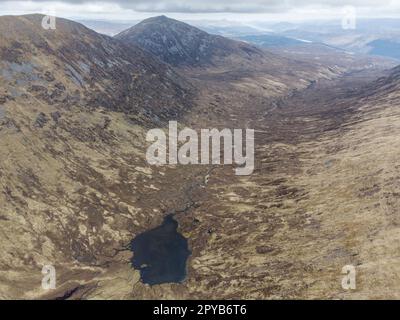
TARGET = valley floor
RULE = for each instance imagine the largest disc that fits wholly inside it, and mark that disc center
(324, 195)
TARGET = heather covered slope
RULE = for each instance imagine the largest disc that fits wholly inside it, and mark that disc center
(73, 110)
(324, 195)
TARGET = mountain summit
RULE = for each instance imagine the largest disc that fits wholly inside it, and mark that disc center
(181, 44)
(92, 69)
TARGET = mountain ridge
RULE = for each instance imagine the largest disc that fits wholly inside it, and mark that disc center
(181, 44)
(100, 69)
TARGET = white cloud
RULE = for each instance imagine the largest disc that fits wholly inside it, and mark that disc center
(250, 10)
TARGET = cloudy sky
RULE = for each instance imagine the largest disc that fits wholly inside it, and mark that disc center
(236, 10)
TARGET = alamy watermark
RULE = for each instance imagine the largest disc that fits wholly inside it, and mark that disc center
(187, 147)
(49, 20)
(349, 280)
(49, 279)
(349, 19)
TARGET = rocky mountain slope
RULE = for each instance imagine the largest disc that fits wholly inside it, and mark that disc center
(74, 106)
(207, 58)
(181, 44)
(74, 64)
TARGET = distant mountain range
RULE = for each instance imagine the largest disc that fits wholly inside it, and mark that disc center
(271, 40)
(371, 36)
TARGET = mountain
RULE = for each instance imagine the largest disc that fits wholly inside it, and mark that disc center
(75, 65)
(76, 187)
(75, 107)
(200, 55)
(180, 44)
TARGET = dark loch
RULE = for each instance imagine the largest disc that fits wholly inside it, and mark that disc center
(160, 254)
